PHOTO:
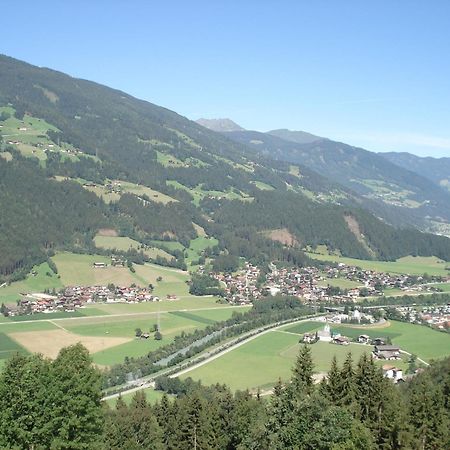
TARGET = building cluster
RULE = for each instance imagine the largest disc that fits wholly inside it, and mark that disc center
(436, 316)
(382, 351)
(313, 284)
(74, 297)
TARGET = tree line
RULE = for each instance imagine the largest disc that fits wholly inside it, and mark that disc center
(57, 405)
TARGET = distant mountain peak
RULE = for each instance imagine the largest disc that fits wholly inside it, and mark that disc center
(300, 137)
(220, 125)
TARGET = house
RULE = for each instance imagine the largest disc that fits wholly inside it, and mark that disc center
(364, 339)
(99, 265)
(340, 340)
(145, 336)
(387, 352)
(309, 338)
(379, 341)
(393, 373)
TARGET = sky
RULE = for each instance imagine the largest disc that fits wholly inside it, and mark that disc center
(371, 74)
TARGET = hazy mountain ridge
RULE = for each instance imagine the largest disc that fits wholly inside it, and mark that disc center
(219, 125)
(435, 169)
(300, 137)
(367, 173)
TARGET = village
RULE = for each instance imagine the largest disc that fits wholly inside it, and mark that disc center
(314, 284)
(71, 298)
(436, 316)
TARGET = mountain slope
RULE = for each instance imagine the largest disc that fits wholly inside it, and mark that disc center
(436, 170)
(416, 198)
(159, 177)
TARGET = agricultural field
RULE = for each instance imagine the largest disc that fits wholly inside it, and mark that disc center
(198, 193)
(77, 269)
(30, 135)
(122, 243)
(109, 337)
(342, 283)
(262, 361)
(151, 395)
(40, 278)
(412, 265)
(263, 186)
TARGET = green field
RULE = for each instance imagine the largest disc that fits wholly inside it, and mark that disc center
(32, 283)
(413, 265)
(151, 395)
(262, 361)
(420, 340)
(8, 347)
(122, 243)
(342, 283)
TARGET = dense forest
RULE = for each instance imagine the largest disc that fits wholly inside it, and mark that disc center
(45, 404)
(237, 195)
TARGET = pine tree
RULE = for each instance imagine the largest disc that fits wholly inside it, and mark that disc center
(347, 386)
(302, 374)
(427, 414)
(331, 388)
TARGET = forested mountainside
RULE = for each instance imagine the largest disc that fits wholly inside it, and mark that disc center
(155, 175)
(416, 199)
(435, 169)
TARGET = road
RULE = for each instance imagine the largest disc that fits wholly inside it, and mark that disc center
(106, 316)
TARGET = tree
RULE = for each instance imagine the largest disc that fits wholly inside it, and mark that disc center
(138, 332)
(427, 415)
(158, 336)
(77, 419)
(302, 373)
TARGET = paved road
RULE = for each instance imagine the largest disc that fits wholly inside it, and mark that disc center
(105, 316)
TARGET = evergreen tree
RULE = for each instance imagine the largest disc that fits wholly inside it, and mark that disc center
(77, 419)
(302, 374)
(427, 414)
(347, 385)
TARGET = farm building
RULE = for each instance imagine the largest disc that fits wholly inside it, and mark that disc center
(393, 373)
(387, 352)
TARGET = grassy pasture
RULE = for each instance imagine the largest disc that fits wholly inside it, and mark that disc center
(9, 347)
(76, 269)
(32, 283)
(422, 341)
(262, 361)
(413, 265)
(151, 395)
(342, 283)
(263, 186)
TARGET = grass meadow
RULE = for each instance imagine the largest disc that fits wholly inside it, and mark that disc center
(261, 362)
(413, 265)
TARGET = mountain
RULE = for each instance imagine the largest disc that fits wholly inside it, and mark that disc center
(300, 137)
(435, 169)
(220, 125)
(407, 197)
(77, 157)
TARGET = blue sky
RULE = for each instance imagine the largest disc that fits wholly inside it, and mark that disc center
(372, 74)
